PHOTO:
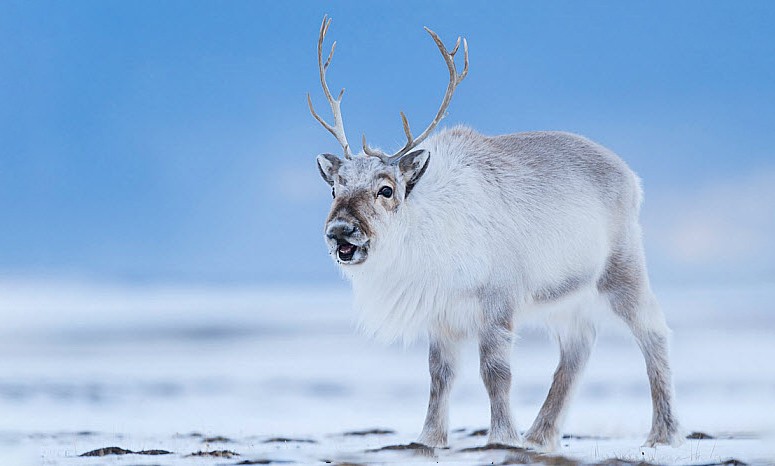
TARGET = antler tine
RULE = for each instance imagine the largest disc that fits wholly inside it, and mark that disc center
(463, 75)
(407, 131)
(330, 56)
(457, 45)
(386, 158)
(338, 128)
(372, 152)
(454, 77)
(454, 80)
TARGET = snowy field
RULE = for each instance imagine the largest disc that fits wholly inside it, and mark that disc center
(281, 377)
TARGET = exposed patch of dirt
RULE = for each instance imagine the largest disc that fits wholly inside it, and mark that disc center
(531, 457)
(289, 440)
(346, 463)
(216, 439)
(729, 462)
(120, 451)
(479, 433)
(215, 454)
(699, 436)
(361, 433)
(495, 446)
(623, 462)
(414, 446)
(108, 451)
(263, 461)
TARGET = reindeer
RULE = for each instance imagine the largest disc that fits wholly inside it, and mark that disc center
(462, 235)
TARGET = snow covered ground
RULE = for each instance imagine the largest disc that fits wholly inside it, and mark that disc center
(280, 375)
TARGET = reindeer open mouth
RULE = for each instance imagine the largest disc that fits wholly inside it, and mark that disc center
(348, 253)
(346, 242)
(345, 251)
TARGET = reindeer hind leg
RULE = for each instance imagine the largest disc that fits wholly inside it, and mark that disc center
(626, 286)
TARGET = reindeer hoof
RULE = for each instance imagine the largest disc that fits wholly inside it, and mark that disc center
(542, 440)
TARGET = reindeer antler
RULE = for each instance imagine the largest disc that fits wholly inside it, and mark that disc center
(338, 129)
(454, 80)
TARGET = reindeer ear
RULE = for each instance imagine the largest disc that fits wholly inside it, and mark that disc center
(413, 166)
(328, 164)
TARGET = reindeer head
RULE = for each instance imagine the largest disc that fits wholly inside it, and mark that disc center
(370, 187)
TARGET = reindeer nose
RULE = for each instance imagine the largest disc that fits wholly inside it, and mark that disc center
(341, 231)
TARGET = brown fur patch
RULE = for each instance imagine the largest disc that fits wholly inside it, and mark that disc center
(354, 208)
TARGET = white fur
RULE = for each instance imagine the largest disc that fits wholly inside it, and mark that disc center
(457, 233)
(499, 230)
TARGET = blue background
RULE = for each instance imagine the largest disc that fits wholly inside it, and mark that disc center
(171, 141)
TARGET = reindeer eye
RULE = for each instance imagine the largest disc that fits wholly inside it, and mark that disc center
(386, 192)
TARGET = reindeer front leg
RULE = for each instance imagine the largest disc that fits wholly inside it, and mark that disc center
(442, 359)
(495, 340)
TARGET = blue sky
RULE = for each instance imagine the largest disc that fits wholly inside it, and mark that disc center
(170, 141)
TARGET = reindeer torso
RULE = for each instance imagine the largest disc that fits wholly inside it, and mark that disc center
(533, 215)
